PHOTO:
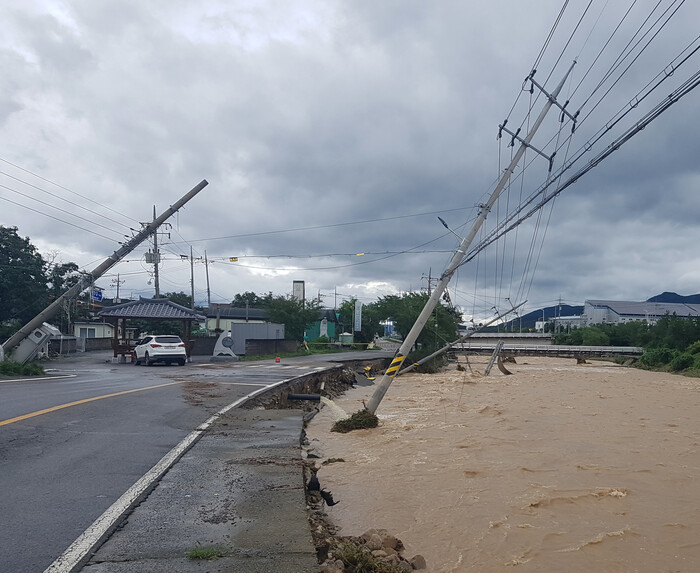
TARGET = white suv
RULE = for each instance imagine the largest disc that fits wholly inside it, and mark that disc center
(160, 348)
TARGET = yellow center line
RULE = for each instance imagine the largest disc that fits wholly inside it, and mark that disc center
(78, 402)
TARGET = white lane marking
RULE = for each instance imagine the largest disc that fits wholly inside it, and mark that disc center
(42, 378)
(80, 548)
(240, 384)
(285, 366)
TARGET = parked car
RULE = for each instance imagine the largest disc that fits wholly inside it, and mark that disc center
(160, 348)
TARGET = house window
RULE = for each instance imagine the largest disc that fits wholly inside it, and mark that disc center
(87, 332)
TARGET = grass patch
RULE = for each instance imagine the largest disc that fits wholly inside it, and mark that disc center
(11, 368)
(358, 421)
(206, 553)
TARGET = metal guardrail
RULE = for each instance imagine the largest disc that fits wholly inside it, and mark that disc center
(552, 350)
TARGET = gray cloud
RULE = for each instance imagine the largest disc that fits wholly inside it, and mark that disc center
(315, 113)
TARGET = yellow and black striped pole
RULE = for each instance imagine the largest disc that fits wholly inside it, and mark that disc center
(395, 365)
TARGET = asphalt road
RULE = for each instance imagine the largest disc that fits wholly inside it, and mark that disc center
(72, 444)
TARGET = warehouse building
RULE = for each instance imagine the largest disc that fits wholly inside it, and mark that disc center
(620, 311)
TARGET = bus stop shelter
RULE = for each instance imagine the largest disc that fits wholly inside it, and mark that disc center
(148, 309)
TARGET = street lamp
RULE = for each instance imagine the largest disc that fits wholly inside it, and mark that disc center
(450, 230)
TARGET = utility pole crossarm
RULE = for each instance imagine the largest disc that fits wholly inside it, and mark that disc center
(458, 257)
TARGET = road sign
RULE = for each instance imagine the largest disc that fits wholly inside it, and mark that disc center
(97, 295)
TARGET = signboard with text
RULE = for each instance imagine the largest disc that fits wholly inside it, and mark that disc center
(358, 316)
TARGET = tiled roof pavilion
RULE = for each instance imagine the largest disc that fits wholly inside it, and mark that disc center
(148, 309)
(151, 309)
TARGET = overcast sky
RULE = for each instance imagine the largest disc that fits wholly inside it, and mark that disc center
(328, 129)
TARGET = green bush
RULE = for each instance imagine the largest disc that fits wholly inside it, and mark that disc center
(594, 336)
(11, 368)
(655, 357)
(694, 348)
(682, 361)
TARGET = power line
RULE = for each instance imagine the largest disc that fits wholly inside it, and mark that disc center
(59, 209)
(67, 189)
(326, 255)
(329, 226)
(673, 98)
(621, 59)
(73, 204)
(57, 219)
(633, 51)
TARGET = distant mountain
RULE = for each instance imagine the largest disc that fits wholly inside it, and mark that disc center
(674, 297)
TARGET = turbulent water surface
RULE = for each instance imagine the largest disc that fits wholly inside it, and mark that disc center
(559, 467)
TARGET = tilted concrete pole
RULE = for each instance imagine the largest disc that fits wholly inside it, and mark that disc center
(457, 258)
(107, 264)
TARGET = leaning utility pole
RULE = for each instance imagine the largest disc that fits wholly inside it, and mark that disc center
(461, 251)
(107, 264)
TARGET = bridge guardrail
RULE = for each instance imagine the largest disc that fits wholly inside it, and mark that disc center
(554, 350)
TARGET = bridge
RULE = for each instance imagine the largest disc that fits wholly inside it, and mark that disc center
(560, 351)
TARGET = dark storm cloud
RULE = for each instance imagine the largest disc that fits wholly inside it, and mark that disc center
(310, 114)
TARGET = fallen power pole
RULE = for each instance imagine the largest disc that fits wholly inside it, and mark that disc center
(458, 341)
(108, 263)
(461, 251)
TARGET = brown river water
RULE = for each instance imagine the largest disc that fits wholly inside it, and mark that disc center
(559, 467)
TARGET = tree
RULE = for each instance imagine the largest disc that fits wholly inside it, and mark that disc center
(371, 316)
(179, 298)
(60, 277)
(594, 336)
(404, 310)
(23, 284)
(251, 299)
(296, 315)
(672, 331)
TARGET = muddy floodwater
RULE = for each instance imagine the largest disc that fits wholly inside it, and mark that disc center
(559, 467)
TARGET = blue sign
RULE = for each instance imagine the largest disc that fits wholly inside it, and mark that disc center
(97, 295)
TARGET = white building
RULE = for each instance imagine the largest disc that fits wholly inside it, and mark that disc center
(224, 316)
(620, 311)
(93, 330)
(561, 323)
